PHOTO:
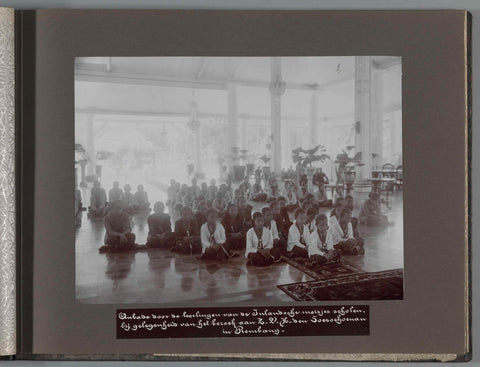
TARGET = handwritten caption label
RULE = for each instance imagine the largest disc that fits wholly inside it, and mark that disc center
(242, 321)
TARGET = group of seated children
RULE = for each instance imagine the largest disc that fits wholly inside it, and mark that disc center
(132, 203)
(265, 236)
(220, 197)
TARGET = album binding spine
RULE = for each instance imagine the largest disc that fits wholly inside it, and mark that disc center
(7, 185)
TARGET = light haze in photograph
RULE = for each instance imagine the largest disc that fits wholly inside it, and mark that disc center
(238, 179)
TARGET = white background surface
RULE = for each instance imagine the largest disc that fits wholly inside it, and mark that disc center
(471, 5)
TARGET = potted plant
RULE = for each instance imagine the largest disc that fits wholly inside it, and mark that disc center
(81, 157)
(304, 158)
(346, 166)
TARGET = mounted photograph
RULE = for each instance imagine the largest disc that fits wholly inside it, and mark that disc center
(238, 179)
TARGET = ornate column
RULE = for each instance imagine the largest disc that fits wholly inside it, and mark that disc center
(363, 123)
(277, 88)
(90, 145)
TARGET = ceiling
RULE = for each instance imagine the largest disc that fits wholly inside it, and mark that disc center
(142, 86)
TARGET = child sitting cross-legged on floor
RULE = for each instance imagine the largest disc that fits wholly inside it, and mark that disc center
(342, 234)
(233, 225)
(260, 250)
(299, 236)
(270, 224)
(118, 235)
(187, 236)
(213, 238)
(159, 227)
(321, 248)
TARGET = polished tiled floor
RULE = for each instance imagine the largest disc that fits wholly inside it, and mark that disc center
(159, 276)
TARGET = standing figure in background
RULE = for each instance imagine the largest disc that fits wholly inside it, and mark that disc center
(290, 196)
(98, 201)
(320, 179)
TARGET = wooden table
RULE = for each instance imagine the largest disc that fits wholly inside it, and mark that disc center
(333, 187)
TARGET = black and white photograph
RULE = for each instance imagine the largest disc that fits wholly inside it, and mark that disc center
(238, 179)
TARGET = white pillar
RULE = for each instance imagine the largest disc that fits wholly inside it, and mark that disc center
(277, 88)
(232, 124)
(243, 124)
(90, 145)
(395, 135)
(363, 123)
(314, 123)
(377, 117)
(198, 149)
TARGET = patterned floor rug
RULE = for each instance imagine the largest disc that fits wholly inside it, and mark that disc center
(382, 285)
(323, 272)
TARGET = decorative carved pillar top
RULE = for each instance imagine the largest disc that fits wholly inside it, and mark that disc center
(277, 87)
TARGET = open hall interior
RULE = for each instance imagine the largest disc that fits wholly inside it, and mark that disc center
(150, 120)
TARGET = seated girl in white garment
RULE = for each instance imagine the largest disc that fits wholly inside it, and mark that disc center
(279, 244)
(321, 248)
(212, 235)
(342, 234)
(298, 236)
(260, 250)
